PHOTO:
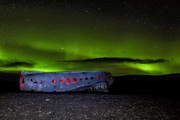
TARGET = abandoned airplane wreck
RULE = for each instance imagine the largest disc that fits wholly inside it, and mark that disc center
(65, 81)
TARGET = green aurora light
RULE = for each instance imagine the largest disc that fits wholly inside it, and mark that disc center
(46, 37)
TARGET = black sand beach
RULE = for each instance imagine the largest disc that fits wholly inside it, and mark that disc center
(130, 97)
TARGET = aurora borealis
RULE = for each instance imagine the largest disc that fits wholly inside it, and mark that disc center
(123, 37)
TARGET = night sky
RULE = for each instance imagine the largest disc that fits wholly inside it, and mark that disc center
(124, 37)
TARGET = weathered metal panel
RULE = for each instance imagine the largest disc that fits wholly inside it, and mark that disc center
(65, 81)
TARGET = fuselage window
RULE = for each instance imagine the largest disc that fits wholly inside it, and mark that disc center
(68, 81)
(74, 80)
(53, 81)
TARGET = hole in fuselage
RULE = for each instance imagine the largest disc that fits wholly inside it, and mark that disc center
(41, 82)
(23, 81)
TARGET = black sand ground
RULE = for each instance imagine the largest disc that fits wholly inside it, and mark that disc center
(130, 97)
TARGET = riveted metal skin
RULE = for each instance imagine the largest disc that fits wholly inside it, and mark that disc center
(65, 81)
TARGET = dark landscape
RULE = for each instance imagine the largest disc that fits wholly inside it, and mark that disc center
(130, 97)
(136, 38)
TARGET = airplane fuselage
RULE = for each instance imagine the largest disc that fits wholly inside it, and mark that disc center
(65, 81)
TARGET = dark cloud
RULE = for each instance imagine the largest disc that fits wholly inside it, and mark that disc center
(8, 64)
(119, 60)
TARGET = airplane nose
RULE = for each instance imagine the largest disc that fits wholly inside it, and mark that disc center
(21, 83)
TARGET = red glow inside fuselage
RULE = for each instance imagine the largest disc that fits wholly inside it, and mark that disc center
(74, 80)
(53, 81)
(68, 81)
